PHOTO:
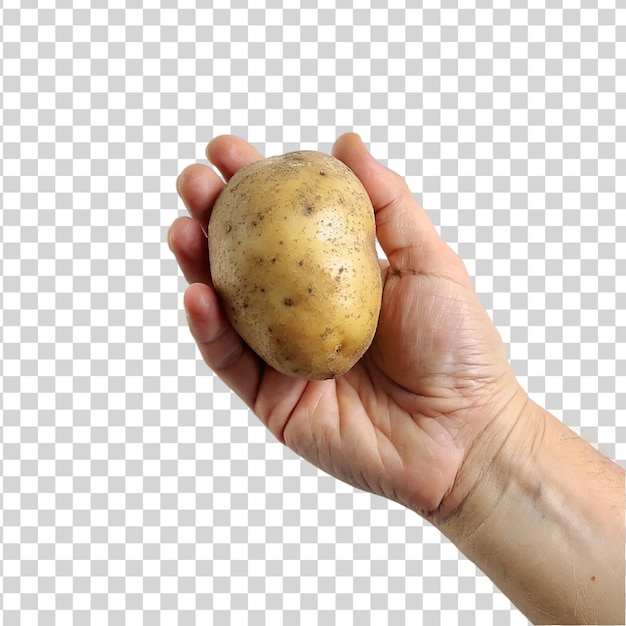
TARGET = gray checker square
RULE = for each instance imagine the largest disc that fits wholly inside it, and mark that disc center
(136, 489)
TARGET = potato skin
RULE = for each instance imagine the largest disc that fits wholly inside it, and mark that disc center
(292, 249)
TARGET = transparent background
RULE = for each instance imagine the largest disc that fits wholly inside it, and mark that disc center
(135, 488)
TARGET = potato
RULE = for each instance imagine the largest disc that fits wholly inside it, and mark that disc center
(292, 249)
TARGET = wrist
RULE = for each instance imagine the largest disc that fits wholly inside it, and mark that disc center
(503, 447)
(541, 512)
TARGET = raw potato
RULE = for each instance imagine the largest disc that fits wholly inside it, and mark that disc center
(292, 249)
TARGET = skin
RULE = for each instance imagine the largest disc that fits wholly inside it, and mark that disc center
(432, 415)
(304, 291)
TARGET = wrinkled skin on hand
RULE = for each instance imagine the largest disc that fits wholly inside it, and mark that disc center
(434, 384)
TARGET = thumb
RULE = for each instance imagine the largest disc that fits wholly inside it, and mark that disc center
(404, 230)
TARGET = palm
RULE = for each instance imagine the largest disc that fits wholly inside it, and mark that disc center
(386, 425)
(397, 424)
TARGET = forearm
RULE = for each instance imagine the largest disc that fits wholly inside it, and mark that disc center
(546, 523)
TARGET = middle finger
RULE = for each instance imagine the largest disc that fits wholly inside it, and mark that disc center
(198, 186)
(189, 246)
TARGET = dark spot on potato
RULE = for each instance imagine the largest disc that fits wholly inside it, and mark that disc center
(270, 330)
(308, 209)
(288, 302)
(310, 289)
(274, 260)
(338, 348)
(340, 271)
(228, 228)
(322, 173)
(300, 262)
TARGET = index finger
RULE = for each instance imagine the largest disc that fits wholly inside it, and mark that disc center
(229, 154)
(199, 186)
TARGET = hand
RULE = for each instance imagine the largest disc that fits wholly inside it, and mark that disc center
(435, 385)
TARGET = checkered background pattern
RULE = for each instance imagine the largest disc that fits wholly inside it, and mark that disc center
(135, 489)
